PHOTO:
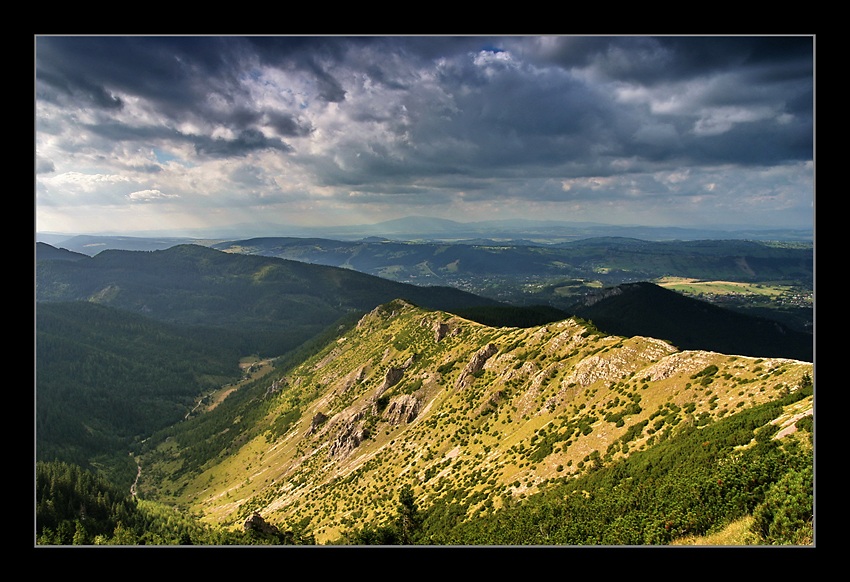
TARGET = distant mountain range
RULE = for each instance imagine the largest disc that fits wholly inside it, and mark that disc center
(466, 264)
(611, 260)
(285, 301)
(418, 228)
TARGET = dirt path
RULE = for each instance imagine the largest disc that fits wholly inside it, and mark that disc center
(136, 482)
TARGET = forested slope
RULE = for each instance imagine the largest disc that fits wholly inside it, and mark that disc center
(105, 378)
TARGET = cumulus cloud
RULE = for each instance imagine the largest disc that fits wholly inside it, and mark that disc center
(149, 196)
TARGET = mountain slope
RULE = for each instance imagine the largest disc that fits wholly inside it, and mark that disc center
(612, 260)
(274, 303)
(452, 408)
(647, 309)
(105, 378)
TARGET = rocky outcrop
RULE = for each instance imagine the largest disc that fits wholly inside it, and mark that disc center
(608, 367)
(409, 362)
(382, 312)
(353, 379)
(318, 420)
(678, 363)
(276, 387)
(391, 378)
(348, 438)
(402, 408)
(440, 330)
(475, 365)
(493, 402)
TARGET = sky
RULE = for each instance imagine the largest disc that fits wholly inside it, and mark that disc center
(171, 134)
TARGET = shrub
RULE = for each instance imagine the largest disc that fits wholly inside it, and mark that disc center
(806, 423)
(785, 517)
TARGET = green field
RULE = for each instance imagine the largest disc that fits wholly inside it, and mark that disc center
(698, 287)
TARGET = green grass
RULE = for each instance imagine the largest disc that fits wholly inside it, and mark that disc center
(695, 287)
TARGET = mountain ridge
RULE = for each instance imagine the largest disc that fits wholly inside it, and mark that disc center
(281, 302)
(433, 400)
(643, 308)
(286, 298)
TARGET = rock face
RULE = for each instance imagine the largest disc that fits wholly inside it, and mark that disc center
(476, 364)
(275, 387)
(392, 377)
(348, 438)
(403, 408)
(318, 420)
(440, 331)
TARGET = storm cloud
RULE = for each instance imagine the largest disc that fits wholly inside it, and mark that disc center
(205, 131)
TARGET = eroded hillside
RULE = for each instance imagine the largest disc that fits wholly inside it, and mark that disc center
(456, 408)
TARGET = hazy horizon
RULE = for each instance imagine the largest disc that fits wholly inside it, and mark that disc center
(402, 226)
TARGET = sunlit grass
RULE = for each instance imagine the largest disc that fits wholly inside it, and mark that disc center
(697, 287)
(736, 533)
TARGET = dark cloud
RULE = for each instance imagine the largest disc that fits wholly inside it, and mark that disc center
(164, 69)
(248, 141)
(759, 143)
(120, 132)
(400, 118)
(287, 124)
(649, 60)
(44, 166)
(310, 54)
(184, 78)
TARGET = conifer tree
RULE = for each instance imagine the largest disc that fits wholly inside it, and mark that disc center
(408, 519)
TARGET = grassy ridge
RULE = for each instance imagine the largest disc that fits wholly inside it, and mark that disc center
(400, 400)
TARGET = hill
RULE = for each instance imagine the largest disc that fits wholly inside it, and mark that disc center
(416, 393)
(611, 260)
(647, 309)
(128, 342)
(560, 275)
(48, 252)
(557, 275)
(473, 419)
(229, 305)
(272, 304)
